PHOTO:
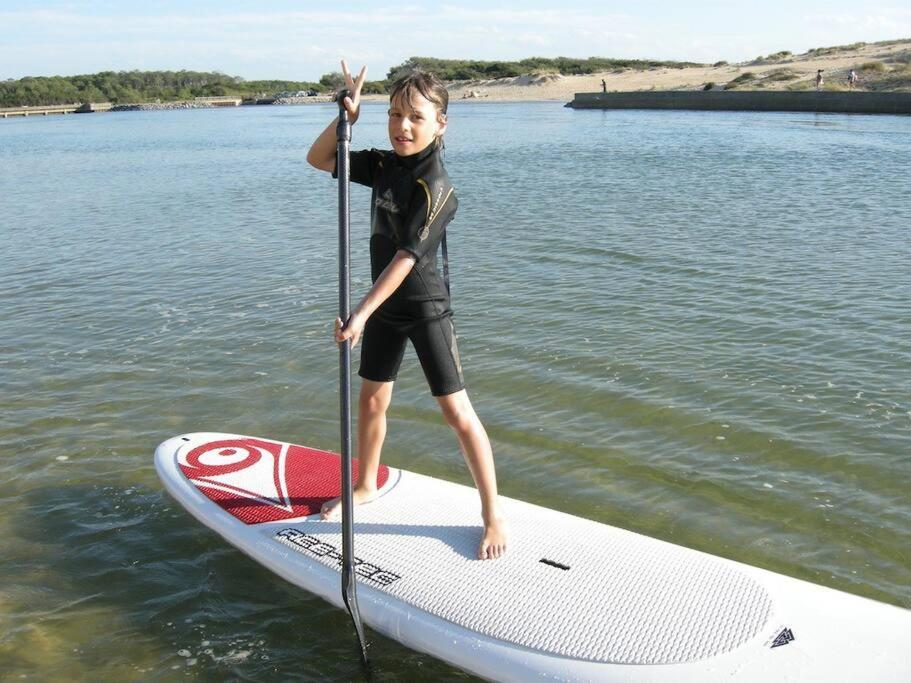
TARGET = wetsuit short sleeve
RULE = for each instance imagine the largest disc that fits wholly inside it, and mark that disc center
(362, 166)
(432, 207)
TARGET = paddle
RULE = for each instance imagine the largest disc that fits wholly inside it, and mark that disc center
(349, 582)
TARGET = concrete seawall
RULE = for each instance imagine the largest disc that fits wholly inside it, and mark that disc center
(729, 100)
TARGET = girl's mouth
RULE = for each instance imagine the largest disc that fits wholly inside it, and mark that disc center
(402, 141)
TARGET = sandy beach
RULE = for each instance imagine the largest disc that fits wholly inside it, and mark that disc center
(835, 67)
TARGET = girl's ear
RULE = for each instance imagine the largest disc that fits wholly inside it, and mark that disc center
(441, 119)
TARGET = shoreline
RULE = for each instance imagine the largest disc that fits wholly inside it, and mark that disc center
(881, 68)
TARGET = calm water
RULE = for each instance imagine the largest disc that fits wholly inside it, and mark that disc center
(691, 325)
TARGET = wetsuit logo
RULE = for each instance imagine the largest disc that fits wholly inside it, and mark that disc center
(385, 202)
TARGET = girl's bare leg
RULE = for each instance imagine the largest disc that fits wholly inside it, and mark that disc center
(460, 415)
(371, 432)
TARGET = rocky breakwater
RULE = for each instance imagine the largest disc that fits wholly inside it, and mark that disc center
(160, 106)
(309, 99)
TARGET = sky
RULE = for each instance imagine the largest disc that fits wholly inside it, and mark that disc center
(303, 40)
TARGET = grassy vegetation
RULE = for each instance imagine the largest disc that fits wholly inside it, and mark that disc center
(774, 58)
(897, 41)
(334, 81)
(742, 79)
(463, 70)
(872, 66)
(781, 75)
(820, 51)
(126, 87)
(764, 80)
(898, 79)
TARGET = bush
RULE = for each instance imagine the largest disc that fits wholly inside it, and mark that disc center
(333, 81)
(740, 80)
(721, 63)
(781, 75)
(772, 58)
(817, 51)
(709, 85)
(872, 66)
(896, 81)
(376, 87)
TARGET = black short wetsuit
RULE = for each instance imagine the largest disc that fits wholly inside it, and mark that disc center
(413, 201)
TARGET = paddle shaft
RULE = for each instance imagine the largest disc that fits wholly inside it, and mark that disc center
(349, 581)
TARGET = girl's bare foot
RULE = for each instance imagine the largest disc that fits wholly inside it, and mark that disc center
(493, 542)
(332, 509)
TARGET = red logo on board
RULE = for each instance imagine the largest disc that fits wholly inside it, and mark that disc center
(264, 481)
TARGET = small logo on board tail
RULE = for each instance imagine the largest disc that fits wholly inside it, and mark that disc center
(783, 638)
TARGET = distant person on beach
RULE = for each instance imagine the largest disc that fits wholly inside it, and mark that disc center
(852, 78)
(603, 85)
(413, 201)
(818, 79)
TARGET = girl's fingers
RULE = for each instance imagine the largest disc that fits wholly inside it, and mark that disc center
(341, 333)
(354, 85)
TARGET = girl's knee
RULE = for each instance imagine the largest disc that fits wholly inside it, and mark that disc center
(375, 402)
(461, 418)
(373, 405)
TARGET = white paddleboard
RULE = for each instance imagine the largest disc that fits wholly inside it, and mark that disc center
(572, 600)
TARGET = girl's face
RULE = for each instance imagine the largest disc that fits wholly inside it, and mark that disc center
(415, 125)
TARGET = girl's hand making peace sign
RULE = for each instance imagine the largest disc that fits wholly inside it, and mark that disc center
(353, 101)
(323, 151)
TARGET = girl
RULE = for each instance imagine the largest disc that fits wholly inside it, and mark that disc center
(412, 202)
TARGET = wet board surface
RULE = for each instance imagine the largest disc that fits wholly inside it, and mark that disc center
(573, 599)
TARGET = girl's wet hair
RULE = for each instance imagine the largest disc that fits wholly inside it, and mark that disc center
(421, 83)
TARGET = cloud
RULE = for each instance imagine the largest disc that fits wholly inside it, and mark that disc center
(303, 44)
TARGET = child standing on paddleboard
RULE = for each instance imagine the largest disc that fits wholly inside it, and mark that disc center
(412, 203)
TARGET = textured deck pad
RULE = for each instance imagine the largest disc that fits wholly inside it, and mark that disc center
(567, 586)
(263, 481)
(622, 598)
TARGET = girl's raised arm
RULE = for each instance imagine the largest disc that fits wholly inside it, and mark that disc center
(322, 151)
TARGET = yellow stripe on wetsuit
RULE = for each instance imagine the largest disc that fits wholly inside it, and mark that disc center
(432, 212)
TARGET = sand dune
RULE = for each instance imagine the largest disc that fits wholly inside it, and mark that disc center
(556, 87)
